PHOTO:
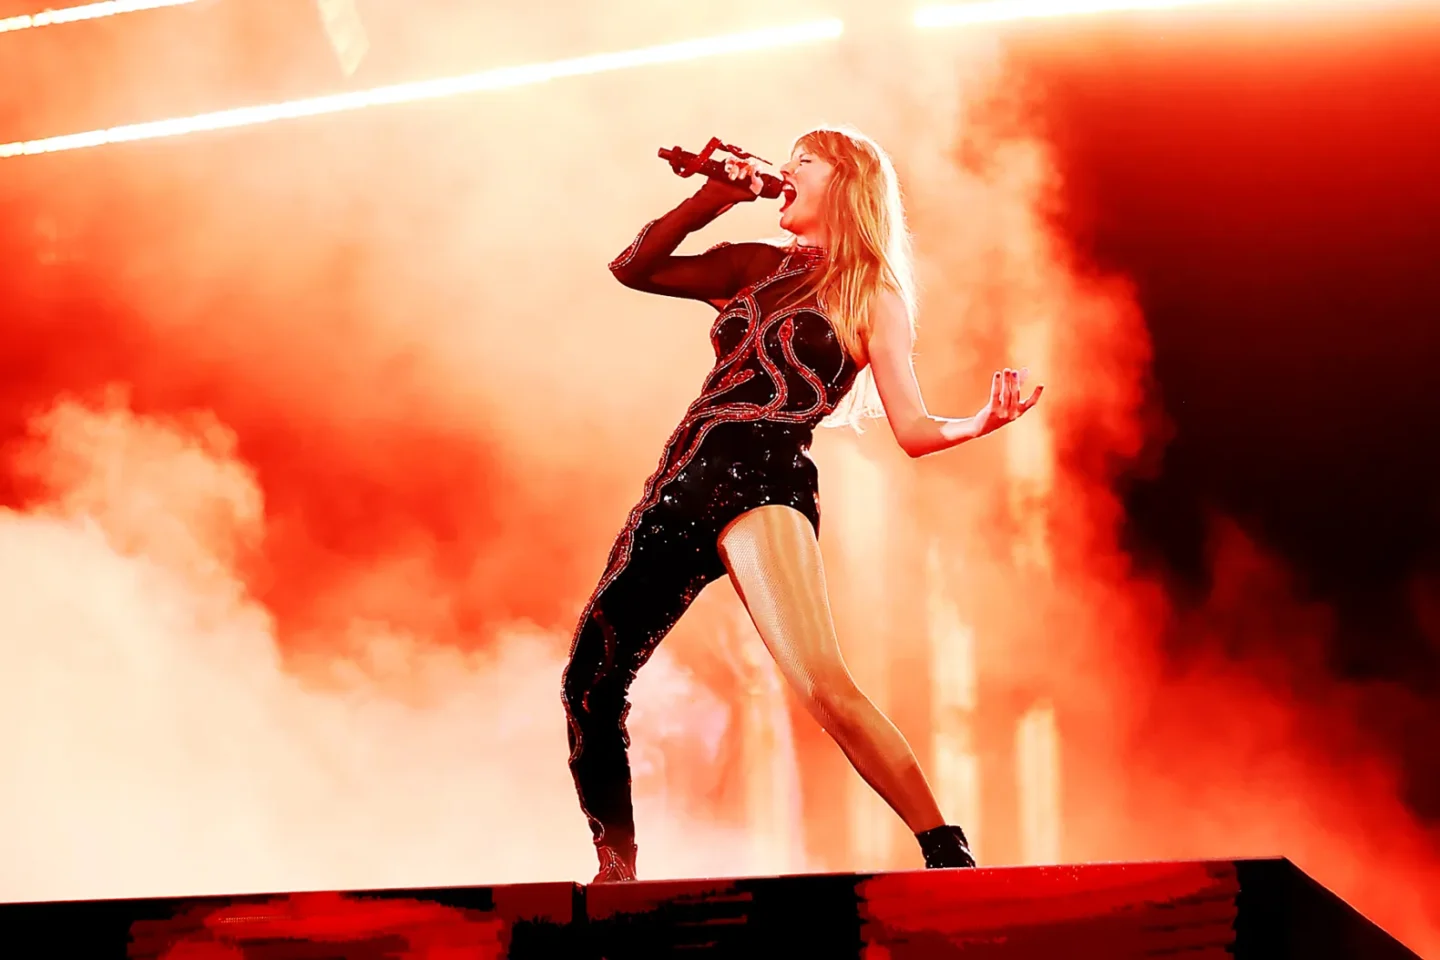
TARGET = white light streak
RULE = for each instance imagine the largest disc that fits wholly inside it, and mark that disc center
(1002, 11)
(89, 11)
(498, 79)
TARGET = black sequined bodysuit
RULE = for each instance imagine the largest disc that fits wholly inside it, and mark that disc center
(779, 370)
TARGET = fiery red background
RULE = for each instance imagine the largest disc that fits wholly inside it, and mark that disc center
(315, 435)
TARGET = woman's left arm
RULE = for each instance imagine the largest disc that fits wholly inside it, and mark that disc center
(891, 347)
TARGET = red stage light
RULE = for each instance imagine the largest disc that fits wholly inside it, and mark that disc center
(1002, 11)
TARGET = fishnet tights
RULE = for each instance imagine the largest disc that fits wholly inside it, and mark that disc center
(774, 562)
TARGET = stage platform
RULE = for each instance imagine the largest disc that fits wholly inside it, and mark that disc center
(1206, 910)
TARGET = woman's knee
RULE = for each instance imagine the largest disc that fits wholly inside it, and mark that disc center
(573, 687)
(591, 695)
(835, 698)
(590, 660)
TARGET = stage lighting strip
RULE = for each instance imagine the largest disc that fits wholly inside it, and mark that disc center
(498, 79)
(1001, 11)
(89, 11)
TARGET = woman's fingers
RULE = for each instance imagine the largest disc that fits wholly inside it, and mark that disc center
(1005, 402)
(747, 172)
(751, 170)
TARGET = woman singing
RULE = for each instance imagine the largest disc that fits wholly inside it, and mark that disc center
(736, 491)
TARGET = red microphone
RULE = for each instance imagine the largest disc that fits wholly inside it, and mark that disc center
(687, 164)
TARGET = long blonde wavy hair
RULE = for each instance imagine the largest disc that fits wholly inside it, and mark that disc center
(869, 251)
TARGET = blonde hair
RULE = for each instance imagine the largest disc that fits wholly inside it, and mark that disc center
(869, 251)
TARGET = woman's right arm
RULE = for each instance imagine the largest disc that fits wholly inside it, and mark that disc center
(650, 264)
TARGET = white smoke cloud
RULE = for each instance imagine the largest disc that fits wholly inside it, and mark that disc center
(158, 743)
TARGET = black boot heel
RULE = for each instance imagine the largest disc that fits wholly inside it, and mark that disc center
(944, 847)
(616, 865)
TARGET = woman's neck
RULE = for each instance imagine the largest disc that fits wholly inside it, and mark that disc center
(814, 237)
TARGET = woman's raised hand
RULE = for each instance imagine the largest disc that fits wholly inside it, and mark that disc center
(1005, 403)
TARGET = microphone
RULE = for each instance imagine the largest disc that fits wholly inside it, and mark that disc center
(687, 164)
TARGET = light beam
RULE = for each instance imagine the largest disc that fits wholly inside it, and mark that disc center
(1002, 11)
(88, 11)
(497, 79)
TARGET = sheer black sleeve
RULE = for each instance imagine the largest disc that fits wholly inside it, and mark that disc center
(649, 263)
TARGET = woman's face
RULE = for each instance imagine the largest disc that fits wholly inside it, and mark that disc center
(806, 178)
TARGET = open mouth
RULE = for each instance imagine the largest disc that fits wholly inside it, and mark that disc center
(787, 190)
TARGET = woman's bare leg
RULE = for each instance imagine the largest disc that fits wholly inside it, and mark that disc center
(774, 562)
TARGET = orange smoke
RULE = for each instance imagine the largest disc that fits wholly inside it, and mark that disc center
(316, 438)
(1188, 731)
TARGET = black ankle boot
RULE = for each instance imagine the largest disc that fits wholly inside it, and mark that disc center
(617, 863)
(945, 846)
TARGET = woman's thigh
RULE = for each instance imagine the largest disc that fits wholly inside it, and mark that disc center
(774, 561)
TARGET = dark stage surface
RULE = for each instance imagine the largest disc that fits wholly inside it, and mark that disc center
(1247, 909)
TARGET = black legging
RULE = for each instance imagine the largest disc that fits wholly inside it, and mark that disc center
(652, 578)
